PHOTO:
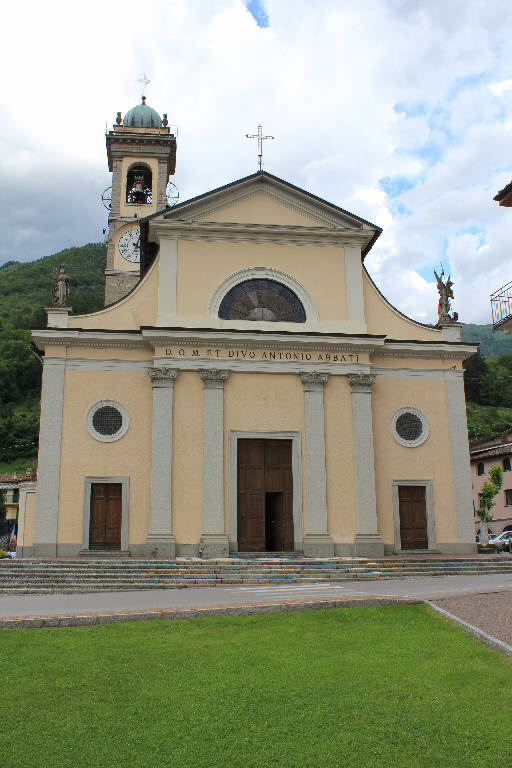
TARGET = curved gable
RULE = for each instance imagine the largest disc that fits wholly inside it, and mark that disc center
(383, 317)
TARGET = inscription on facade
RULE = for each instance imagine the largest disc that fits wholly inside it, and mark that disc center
(238, 353)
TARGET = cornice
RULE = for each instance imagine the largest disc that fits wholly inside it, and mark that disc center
(160, 337)
(427, 350)
(258, 233)
(73, 337)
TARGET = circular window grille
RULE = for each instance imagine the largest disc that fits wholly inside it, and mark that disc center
(107, 421)
(409, 427)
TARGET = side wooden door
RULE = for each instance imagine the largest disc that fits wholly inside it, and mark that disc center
(251, 495)
(106, 516)
(413, 516)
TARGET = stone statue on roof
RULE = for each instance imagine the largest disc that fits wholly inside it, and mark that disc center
(445, 294)
(61, 288)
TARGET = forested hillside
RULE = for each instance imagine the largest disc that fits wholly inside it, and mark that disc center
(24, 290)
(492, 343)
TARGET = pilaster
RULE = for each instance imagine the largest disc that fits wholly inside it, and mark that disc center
(214, 541)
(160, 541)
(368, 541)
(48, 472)
(461, 473)
(317, 541)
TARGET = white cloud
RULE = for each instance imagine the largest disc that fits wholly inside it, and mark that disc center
(325, 78)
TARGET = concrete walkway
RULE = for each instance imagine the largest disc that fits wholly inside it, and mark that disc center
(89, 608)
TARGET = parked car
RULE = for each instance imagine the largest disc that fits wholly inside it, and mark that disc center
(503, 540)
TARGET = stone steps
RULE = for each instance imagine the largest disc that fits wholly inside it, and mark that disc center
(48, 576)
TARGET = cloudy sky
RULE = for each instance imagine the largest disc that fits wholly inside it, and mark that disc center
(397, 110)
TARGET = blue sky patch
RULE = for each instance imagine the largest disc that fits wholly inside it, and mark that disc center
(258, 12)
(395, 185)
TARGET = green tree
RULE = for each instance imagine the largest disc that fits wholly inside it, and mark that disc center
(475, 372)
(489, 489)
(3, 510)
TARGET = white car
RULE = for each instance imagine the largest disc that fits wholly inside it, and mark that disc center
(502, 540)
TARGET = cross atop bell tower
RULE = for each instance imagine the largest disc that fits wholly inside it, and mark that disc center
(141, 151)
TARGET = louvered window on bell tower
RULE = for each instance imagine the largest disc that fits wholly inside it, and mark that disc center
(139, 185)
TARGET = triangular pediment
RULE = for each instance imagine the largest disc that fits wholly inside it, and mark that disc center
(267, 200)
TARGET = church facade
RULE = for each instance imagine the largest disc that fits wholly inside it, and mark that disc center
(246, 387)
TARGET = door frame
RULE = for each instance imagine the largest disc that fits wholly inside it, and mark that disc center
(296, 438)
(125, 503)
(429, 508)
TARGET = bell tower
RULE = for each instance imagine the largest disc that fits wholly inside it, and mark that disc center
(141, 153)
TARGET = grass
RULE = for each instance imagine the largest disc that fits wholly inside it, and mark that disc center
(367, 687)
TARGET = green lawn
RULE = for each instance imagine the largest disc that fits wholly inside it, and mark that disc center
(388, 686)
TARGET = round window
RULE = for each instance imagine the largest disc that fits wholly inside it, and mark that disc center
(107, 421)
(409, 427)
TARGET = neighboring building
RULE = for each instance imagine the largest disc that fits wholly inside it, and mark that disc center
(501, 300)
(485, 453)
(252, 391)
(9, 486)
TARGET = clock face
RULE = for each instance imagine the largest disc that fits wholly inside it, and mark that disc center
(128, 244)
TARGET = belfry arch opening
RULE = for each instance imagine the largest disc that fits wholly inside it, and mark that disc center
(139, 185)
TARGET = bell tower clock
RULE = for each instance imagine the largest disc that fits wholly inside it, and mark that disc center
(141, 151)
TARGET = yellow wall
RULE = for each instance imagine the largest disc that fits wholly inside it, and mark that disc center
(203, 266)
(139, 308)
(261, 209)
(382, 317)
(83, 456)
(30, 510)
(429, 461)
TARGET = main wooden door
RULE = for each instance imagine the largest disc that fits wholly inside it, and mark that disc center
(413, 516)
(106, 516)
(265, 495)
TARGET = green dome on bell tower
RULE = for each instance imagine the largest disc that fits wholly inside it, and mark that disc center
(142, 116)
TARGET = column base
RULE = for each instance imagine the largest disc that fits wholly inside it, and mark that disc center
(214, 545)
(368, 545)
(160, 546)
(318, 545)
(44, 550)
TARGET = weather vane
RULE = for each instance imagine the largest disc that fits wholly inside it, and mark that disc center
(144, 82)
(260, 138)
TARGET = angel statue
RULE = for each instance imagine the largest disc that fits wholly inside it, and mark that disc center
(61, 288)
(445, 294)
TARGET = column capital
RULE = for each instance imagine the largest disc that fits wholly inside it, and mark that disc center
(313, 380)
(213, 378)
(162, 376)
(361, 382)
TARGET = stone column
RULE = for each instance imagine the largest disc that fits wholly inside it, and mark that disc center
(316, 539)
(368, 542)
(461, 473)
(160, 541)
(48, 472)
(214, 541)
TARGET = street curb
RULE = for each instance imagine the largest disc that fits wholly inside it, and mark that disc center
(92, 619)
(489, 640)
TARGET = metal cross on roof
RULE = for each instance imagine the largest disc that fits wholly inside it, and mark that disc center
(144, 82)
(260, 138)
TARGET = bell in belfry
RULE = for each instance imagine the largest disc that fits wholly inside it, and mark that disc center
(139, 195)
